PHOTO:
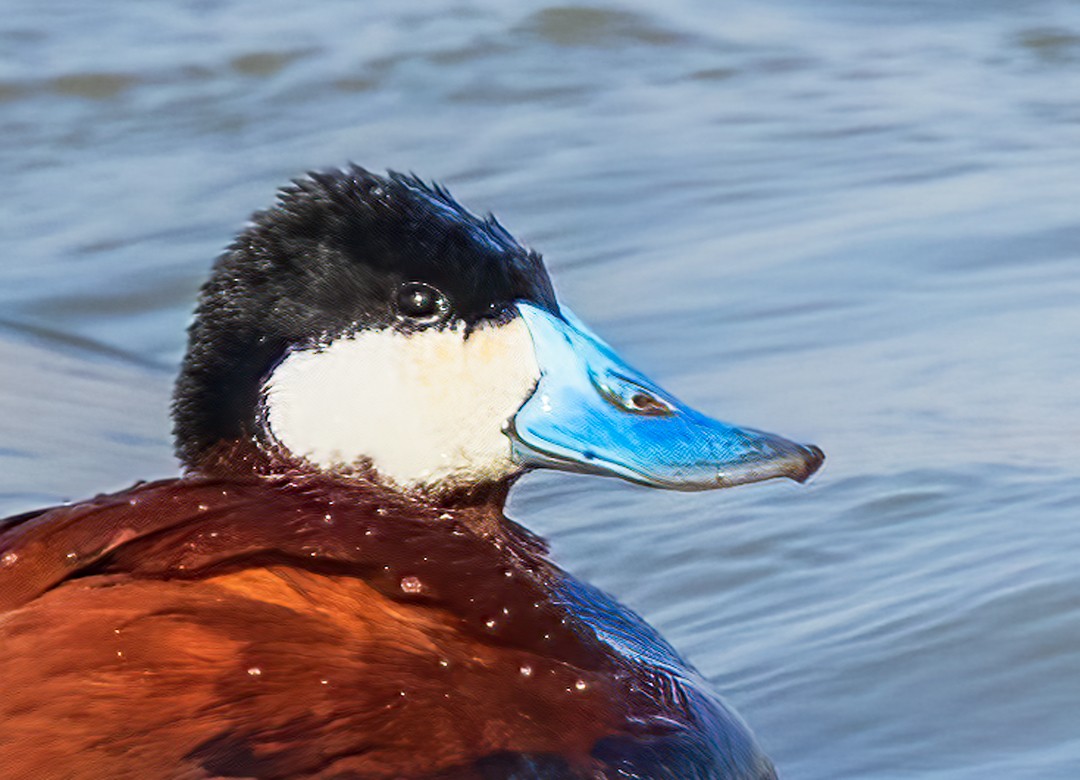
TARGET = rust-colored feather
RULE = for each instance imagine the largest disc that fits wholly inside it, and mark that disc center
(286, 628)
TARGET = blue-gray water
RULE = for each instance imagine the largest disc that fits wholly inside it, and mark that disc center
(854, 223)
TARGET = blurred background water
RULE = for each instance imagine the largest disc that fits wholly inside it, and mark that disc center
(854, 223)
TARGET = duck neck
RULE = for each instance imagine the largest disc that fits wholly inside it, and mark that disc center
(480, 507)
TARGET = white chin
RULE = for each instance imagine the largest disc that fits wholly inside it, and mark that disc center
(425, 410)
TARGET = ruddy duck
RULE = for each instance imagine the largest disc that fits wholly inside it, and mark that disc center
(332, 589)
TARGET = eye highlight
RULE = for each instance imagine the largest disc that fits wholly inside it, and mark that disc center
(420, 303)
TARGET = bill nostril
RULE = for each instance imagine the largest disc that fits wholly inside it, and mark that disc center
(628, 396)
(645, 403)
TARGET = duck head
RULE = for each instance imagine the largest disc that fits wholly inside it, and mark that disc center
(370, 327)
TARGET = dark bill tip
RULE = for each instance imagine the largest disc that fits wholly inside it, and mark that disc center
(775, 457)
(812, 458)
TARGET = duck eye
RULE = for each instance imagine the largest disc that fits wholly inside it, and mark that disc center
(421, 302)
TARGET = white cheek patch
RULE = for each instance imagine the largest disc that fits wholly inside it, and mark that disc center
(427, 409)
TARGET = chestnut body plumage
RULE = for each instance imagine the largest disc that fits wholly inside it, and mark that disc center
(292, 610)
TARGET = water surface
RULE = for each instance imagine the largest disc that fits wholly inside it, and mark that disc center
(852, 223)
